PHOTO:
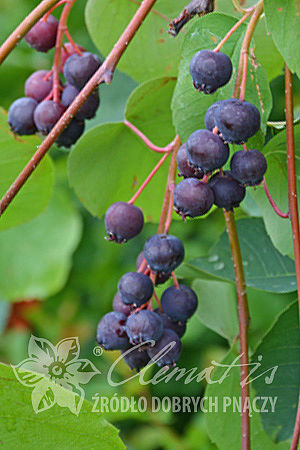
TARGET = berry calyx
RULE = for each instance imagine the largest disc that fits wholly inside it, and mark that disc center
(227, 190)
(179, 304)
(144, 326)
(206, 150)
(42, 35)
(166, 350)
(210, 70)
(46, 115)
(237, 120)
(135, 288)
(123, 221)
(78, 69)
(160, 278)
(21, 116)
(248, 167)
(111, 333)
(185, 170)
(37, 87)
(163, 253)
(192, 198)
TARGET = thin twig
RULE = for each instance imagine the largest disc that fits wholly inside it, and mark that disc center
(148, 179)
(147, 141)
(272, 202)
(243, 313)
(293, 204)
(24, 27)
(233, 29)
(103, 74)
(200, 7)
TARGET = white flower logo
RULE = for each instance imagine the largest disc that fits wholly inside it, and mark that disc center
(54, 368)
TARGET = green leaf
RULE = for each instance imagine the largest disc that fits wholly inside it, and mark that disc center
(265, 268)
(35, 258)
(188, 105)
(281, 347)
(56, 427)
(110, 162)
(153, 52)
(217, 309)
(224, 419)
(15, 152)
(276, 176)
(283, 23)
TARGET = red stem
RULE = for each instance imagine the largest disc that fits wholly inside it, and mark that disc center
(148, 179)
(233, 29)
(147, 141)
(61, 2)
(62, 27)
(170, 209)
(293, 204)
(170, 182)
(272, 202)
(103, 74)
(175, 281)
(74, 45)
(24, 27)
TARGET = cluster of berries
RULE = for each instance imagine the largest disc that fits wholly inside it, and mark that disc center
(145, 336)
(206, 150)
(40, 110)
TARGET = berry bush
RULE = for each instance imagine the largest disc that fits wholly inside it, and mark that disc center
(150, 228)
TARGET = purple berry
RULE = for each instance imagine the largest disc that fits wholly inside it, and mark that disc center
(192, 198)
(248, 167)
(210, 70)
(78, 69)
(209, 118)
(88, 109)
(46, 115)
(228, 192)
(185, 170)
(144, 326)
(111, 332)
(20, 116)
(163, 253)
(135, 288)
(42, 36)
(37, 87)
(206, 150)
(179, 304)
(167, 350)
(237, 120)
(178, 327)
(119, 305)
(136, 358)
(71, 133)
(123, 222)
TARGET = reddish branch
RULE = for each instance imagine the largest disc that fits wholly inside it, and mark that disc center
(233, 29)
(272, 202)
(147, 141)
(200, 7)
(24, 27)
(243, 314)
(103, 75)
(293, 204)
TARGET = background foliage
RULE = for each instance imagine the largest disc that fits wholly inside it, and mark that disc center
(51, 238)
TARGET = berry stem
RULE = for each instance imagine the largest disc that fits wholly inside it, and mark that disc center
(233, 29)
(148, 179)
(293, 204)
(62, 27)
(24, 27)
(143, 266)
(175, 281)
(70, 39)
(147, 141)
(243, 313)
(272, 202)
(170, 182)
(170, 208)
(103, 74)
(61, 2)
(241, 78)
